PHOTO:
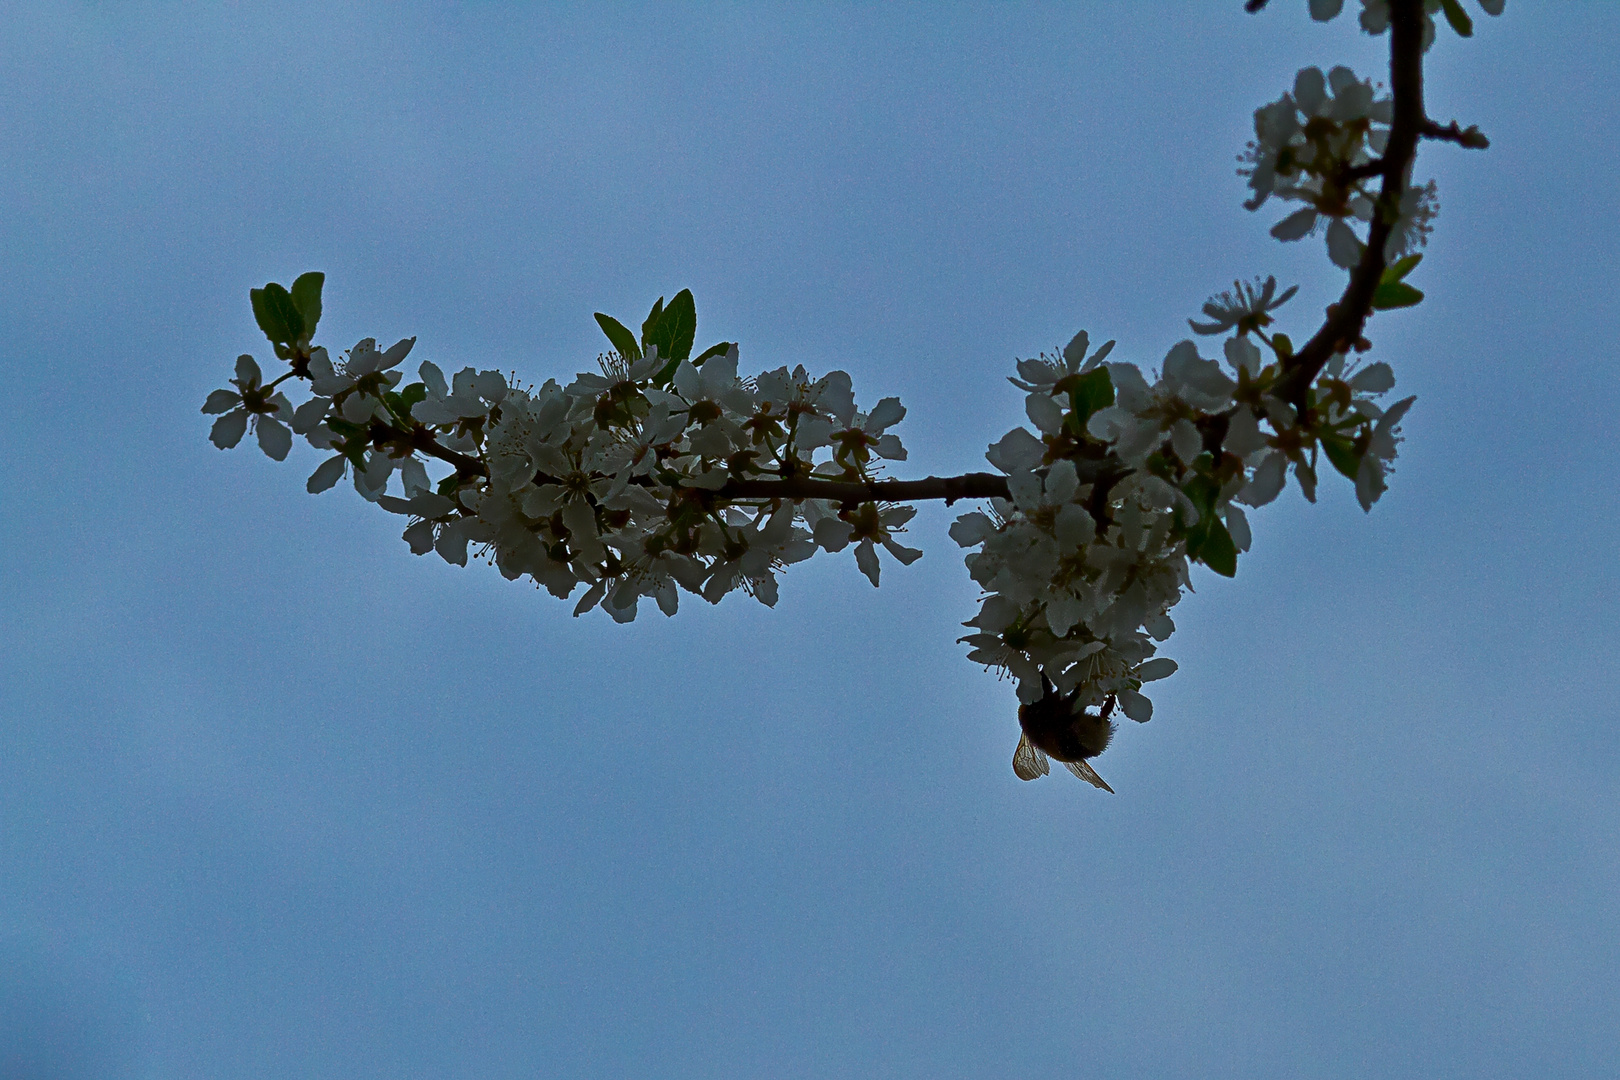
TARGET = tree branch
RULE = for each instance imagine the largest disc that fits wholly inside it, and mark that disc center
(1344, 325)
(421, 437)
(949, 488)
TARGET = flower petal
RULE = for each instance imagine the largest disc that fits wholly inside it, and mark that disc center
(1295, 225)
(228, 429)
(866, 558)
(274, 439)
(330, 472)
(1136, 706)
(888, 412)
(221, 401)
(1161, 667)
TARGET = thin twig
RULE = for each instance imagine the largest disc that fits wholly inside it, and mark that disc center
(1469, 136)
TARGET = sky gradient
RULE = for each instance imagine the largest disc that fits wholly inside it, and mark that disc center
(279, 799)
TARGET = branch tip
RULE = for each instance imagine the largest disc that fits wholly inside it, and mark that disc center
(1469, 137)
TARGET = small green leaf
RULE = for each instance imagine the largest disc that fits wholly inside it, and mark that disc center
(1342, 453)
(1305, 475)
(683, 309)
(1092, 391)
(717, 349)
(448, 486)
(1283, 344)
(306, 297)
(1208, 542)
(623, 340)
(1401, 268)
(400, 403)
(652, 321)
(675, 328)
(1218, 552)
(1395, 294)
(276, 314)
(1458, 18)
(1202, 490)
(412, 394)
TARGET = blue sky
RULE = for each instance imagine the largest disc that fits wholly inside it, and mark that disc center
(279, 799)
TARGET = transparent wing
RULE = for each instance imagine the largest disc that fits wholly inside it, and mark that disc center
(1088, 774)
(1028, 762)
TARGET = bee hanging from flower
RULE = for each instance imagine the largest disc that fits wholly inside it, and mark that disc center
(1055, 726)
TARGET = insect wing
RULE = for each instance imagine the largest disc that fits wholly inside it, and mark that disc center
(1028, 762)
(1088, 774)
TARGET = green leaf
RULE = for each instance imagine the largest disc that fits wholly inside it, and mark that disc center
(1342, 453)
(448, 486)
(1305, 476)
(1401, 268)
(1208, 541)
(1202, 490)
(1218, 552)
(652, 321)
(276, 313)
(675, 328)
(1395, 294)
(306, 297)
(717, 349)
(1283, 344)
(1092, 391)
(400, 403)
(1458, 18)
(412, 394)
(624, 342)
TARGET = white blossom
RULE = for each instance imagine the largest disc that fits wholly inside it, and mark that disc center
(1246, 307)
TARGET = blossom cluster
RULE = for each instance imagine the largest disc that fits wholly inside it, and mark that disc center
(1322, 143)
(1318, 145)
(1122, 483)
(634, 481)
(624, 480)
(1375, 15)
(629, 488)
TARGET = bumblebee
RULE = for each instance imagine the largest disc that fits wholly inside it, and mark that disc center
(1056, 726)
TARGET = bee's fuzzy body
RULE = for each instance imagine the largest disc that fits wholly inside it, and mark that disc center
(1061, 730)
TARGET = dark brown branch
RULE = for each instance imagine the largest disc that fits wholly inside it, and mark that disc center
(422, 438)
(1469, 136)
(949, 488)
(1365, 171)
(1344, 325)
